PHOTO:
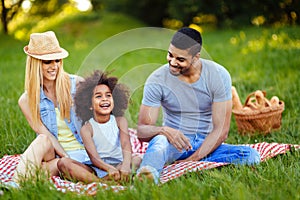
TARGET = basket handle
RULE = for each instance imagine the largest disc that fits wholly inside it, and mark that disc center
(250, 97)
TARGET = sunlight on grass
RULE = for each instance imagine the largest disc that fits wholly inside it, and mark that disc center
(127, 42)
(268, 39)
(40, 24)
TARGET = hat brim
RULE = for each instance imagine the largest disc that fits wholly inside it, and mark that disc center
(51, 56)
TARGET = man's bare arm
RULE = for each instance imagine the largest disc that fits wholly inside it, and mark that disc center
(147, 129)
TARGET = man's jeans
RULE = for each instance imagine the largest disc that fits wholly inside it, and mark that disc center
(161, 152)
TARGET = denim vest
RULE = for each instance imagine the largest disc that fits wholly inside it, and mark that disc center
(48, 115)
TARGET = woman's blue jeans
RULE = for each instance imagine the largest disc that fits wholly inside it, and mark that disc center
(161, 152)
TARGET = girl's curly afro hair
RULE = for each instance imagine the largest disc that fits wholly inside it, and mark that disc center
(84, 93)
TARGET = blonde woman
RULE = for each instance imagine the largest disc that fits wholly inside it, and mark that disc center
(47, 103)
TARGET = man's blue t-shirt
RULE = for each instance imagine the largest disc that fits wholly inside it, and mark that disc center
(188, 107)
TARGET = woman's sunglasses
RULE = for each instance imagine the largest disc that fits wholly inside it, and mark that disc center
(47, 62)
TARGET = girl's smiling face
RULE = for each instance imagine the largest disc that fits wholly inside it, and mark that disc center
(102, 100)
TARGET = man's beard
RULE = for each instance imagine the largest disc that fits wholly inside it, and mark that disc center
(181, 71)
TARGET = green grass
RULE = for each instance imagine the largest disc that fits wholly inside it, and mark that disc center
(257, 58)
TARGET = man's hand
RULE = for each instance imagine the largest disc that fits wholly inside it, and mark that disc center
(177, 139)
(114, 174)
(125, 173)
(191, 158)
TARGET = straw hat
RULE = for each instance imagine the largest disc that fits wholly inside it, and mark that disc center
(45, 46)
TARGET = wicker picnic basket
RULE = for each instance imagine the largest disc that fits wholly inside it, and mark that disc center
(262, 119)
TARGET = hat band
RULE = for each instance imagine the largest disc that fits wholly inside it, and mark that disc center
(40, 54)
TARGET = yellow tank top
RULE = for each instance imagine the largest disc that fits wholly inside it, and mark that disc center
(65, 135)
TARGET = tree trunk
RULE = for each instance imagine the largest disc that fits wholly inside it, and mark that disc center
(4, 17)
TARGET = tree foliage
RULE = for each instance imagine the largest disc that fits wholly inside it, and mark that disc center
(150, 11)
(226, 12)
(8, 10)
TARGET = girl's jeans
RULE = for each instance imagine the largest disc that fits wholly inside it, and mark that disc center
(161, 152)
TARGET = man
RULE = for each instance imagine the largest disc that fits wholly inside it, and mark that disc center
(195, 95)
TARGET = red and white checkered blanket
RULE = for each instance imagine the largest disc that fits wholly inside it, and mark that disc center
(267, 150)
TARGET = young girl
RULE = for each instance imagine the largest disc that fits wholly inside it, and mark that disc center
(100, 102)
